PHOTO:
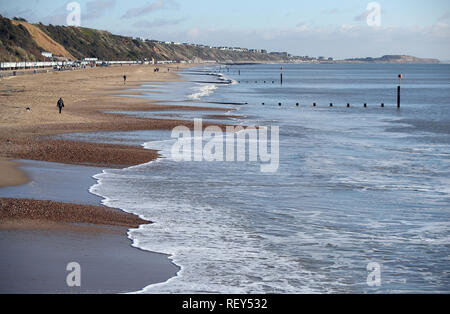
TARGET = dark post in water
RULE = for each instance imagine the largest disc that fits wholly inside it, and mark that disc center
(400, 76)
(281, 78)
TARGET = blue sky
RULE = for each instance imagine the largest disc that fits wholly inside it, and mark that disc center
(321, 27)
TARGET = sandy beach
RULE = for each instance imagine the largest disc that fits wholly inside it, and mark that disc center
(64, 213)
(87, 95)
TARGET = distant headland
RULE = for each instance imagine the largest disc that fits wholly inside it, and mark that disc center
(394, 59)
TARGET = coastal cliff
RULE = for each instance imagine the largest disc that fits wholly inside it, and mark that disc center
(20, 41)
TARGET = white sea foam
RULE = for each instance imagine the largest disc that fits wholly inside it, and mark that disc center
(202, 91)
(226, 79)
(213, 247)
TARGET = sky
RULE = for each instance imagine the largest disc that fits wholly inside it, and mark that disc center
(330, 28)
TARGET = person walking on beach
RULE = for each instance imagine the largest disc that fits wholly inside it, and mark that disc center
(124, 79)
(60, 105)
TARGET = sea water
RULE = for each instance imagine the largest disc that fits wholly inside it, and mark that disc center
(355, 185)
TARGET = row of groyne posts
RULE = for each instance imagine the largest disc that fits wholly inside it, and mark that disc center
(399, 89)
(332, 105)
(400, 77)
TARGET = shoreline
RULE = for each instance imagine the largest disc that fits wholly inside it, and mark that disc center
(21, 137)
(24, 136)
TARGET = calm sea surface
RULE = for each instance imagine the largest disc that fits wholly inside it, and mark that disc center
(354, 186)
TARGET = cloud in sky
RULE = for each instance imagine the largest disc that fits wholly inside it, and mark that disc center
(193, 33)
(96, 8)
(149, 8)
(332, 11)
(344, 41)
(302, 26)
(362, 17)
(158, 23)
(19, 12)
(57, 17)
(445, 16)
(93, 9)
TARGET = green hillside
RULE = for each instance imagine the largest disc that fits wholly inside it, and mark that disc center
(16, 43)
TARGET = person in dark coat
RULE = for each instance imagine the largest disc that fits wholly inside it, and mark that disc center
(124, 79)
(60, 105)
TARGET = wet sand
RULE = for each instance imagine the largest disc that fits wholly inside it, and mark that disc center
(56, 182)
(35, 261)
(11, 175)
